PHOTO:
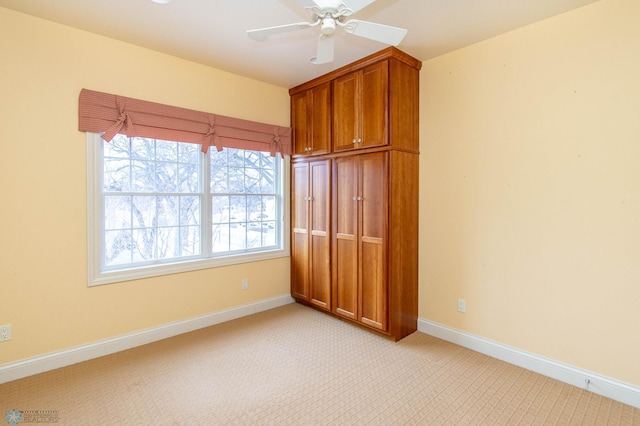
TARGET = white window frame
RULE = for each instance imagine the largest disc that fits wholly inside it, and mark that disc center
(95, 232)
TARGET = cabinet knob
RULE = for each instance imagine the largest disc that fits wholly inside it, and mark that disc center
(355, 198)
(359, 198)
(354, 140)
(359, 140)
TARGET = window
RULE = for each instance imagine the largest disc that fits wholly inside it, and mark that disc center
(158, 207)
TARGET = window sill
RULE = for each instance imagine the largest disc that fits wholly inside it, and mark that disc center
(99, 278)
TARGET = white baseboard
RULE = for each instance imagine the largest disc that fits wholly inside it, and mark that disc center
(605, 386)
(51, 361)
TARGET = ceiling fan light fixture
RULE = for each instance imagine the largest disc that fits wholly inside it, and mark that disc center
(328, 25)
(161, 1)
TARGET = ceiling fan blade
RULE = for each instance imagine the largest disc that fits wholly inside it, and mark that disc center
(378, 32)
(263, 33)
(356, 5)
(325, 50)
(307, 4)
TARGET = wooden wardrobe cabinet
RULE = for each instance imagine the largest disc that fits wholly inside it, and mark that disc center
(354, 208)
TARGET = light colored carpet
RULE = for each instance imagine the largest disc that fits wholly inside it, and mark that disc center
(293, 365)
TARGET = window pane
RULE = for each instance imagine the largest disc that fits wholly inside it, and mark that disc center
(144, 211)
(168, 211)
(117, 148)
(117, 175)
(188, 178)
(220, 237)
(143, 176)
(188, 153)
(267, 181)
(235, 178)
(252, 181)
(144, 241)
(143, 148)
(190, 240)
(166, 151)
(166, 177)
(117, 247)
(238, 208)
(117, 212)
(235, 157)
(269, 206)
(267, 161)
(269, 236)
(220, 209)
(189, 210)
(168, 242)
(219, 180)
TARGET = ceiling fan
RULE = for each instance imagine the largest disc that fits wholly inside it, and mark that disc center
(329, 15)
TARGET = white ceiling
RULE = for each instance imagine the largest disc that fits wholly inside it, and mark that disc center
(213, 32)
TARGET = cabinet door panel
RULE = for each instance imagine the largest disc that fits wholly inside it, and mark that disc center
(373, 295)
(320, 271)
(299, 234)
(300, 265)
(320, 283)
(299, 122)
(374, 105)
(345, 110)
(320, 118)
(373, 237)
(346, 245)
(346, 264)
(374, 195)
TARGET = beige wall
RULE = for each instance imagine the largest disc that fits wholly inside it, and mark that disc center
(530, 189)
(43, 291)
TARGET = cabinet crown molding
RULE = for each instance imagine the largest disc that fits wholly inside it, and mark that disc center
(388, 53)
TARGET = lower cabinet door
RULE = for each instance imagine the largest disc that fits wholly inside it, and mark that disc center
(345, 249)
(360, 246)
(373, 240)
(319, 230)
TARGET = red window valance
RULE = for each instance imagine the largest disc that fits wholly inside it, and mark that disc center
(112, 114)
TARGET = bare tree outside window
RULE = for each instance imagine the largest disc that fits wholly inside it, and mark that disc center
(154, 198)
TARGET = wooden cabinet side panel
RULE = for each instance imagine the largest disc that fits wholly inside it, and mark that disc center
(404, 103)
(403, 243)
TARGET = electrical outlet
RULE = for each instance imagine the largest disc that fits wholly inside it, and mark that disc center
(462, 305)
(245, 284)
(5, 332)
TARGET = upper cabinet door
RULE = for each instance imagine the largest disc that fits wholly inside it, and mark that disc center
(360, 108)
(346, 103)
(311, 120)
(373, 105)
